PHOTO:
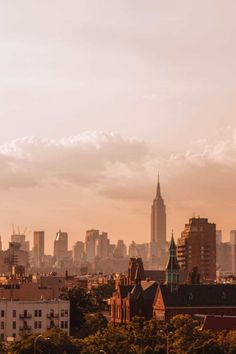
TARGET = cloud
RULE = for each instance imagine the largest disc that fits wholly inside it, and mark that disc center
(81, 160)
(122, 167)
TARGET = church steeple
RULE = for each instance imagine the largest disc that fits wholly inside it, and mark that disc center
(172, 269)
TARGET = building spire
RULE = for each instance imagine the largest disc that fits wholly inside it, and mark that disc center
(158, 186)
(172, 268)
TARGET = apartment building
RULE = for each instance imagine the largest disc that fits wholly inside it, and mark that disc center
(32, 316)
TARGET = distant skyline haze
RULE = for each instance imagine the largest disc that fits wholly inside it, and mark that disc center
(97, 97)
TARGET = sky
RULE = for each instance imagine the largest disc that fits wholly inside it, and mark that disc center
(97, 96)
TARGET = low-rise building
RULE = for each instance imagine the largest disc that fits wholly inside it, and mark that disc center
(32, 317)
(205, 299)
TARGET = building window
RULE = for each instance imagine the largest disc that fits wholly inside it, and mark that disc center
(40, 313)
(62, 324)
(14, 335)
(62, 313)
(37, 325)
(35, 313)
(66, 324)
(2, 325)
(2, 335)
(2, 313)
(14, 325)
(13, 313)
(66, 313)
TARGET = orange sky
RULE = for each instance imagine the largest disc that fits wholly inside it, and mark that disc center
(96, 97)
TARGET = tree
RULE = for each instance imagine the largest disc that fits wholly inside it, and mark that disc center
(102, 293)
(92, 324)
(53, 341)
(81, 303)
(186, 337)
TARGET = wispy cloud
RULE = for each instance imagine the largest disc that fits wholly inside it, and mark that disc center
(120, 167)
(81, 160)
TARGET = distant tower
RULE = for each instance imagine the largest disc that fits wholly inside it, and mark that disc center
(158, 225)
(38, 249)
(172, 269)
(61, 246)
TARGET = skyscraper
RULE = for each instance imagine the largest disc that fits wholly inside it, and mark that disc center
(61, 246)
(38, 249)
(197, 248)
(158, 227)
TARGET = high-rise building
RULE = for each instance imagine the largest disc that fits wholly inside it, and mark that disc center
(218, 237)
(158, 227)
(20, 238)
(197, 248)
(78, 252)
(102, 246)
(12, 257)
(90, 242)
(233, 249)
(120, 250)
(38, 250)
(61, 246)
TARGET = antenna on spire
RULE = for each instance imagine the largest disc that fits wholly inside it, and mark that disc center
(158, 185)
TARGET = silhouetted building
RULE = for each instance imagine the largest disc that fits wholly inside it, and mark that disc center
(157, 252)
(133, 300)
(138, 250)
(233, 249)
(197, 248)
(38, 248)
(78, 254)
(102, 246)
(90, 242)
(224, 253)
(20, 238)
(172, 269)
(120, 250)
(13, 256)
(61, 246)
(201, 299)
(135, 263)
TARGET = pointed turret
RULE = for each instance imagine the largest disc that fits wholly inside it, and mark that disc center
(172, 268)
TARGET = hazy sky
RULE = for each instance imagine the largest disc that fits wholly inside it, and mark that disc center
(97, 96)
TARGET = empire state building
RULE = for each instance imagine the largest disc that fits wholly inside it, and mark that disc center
(158, 227)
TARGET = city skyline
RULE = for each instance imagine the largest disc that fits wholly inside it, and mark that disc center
(95, 99)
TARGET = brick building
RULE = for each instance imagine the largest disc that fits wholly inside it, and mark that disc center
(133, 300)
(205, 299)
(197, 247)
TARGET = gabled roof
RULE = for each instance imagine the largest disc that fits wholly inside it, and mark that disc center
(199, 295)
(150, 290)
